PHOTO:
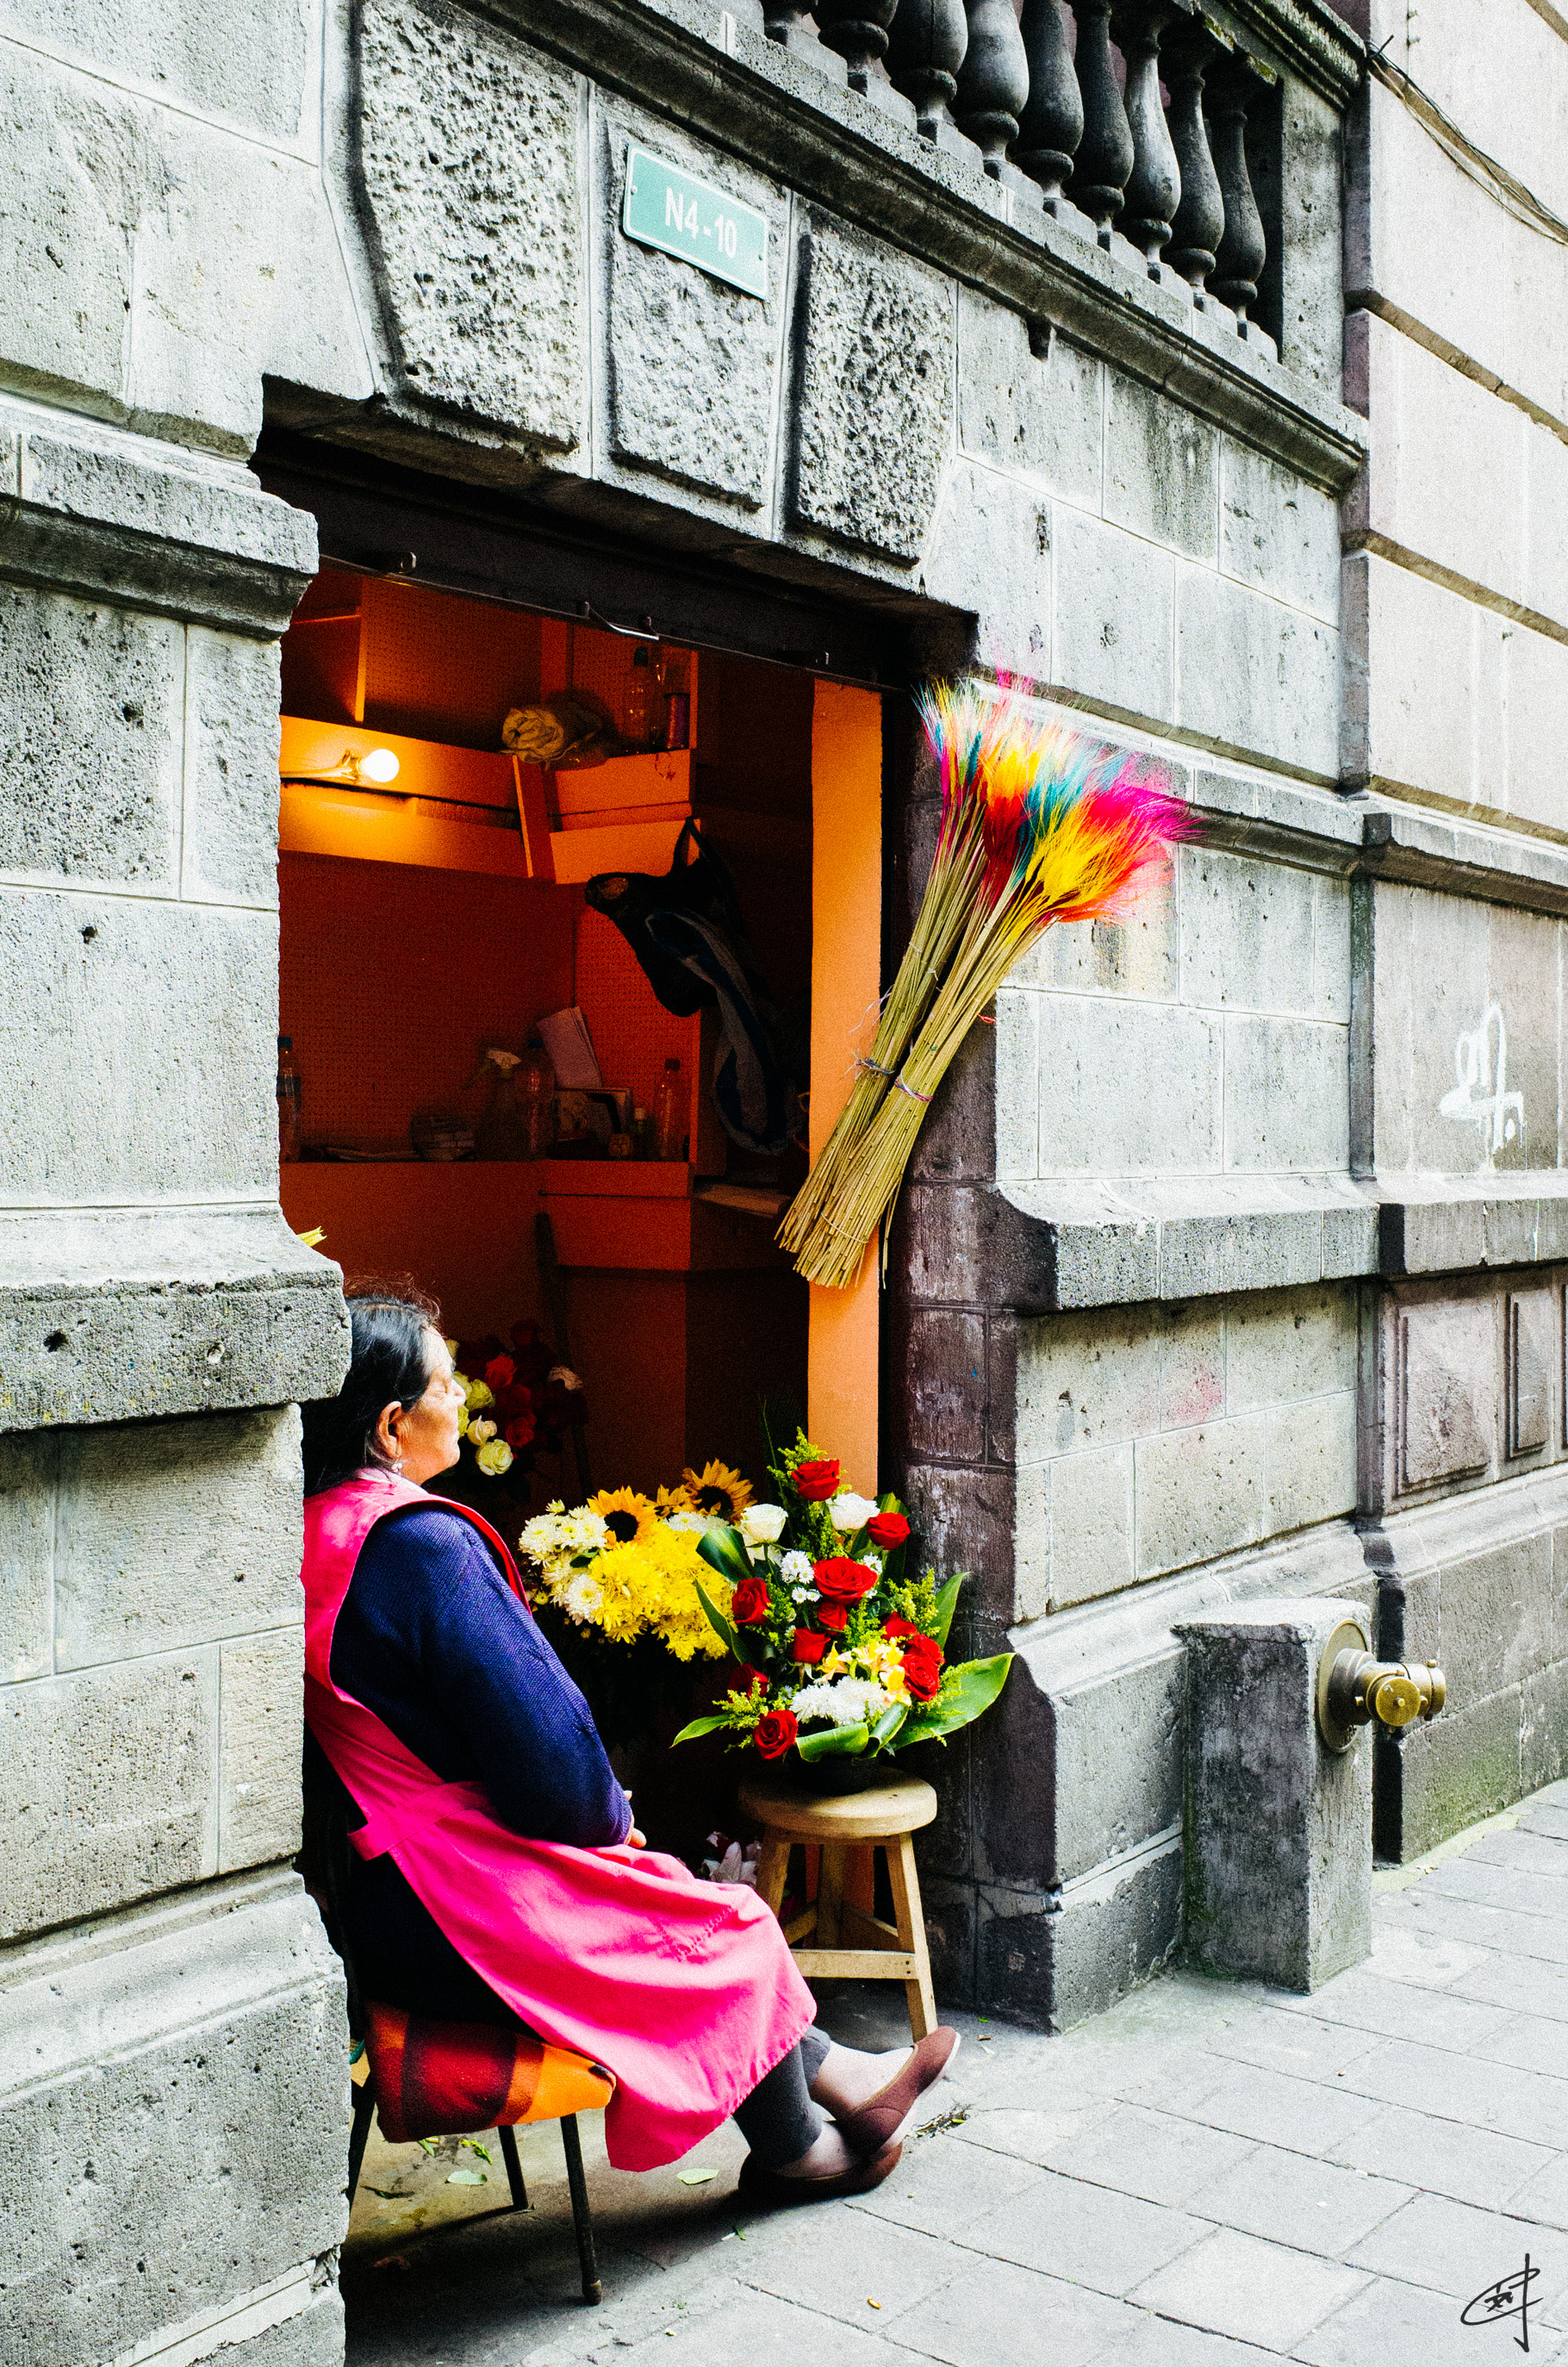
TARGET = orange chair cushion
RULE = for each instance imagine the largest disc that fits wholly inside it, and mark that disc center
(444, 2078)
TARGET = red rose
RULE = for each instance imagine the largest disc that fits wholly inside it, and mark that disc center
(519, 1433)
(807, 1646)
(756, 1682)
(842, 1580)
(887, 1530)
(510, 1404)
(922, 1668)
(897, 1627)
(834, 1618)
(749, 1603)
(815, 1482)
(775, 1733)
(500, 1372)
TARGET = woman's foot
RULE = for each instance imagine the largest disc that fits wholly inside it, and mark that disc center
(814, 2178)
(847, 2078)
(882, 2119)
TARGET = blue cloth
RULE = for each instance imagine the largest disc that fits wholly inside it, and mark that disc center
(757, 1105)
(432, 1640)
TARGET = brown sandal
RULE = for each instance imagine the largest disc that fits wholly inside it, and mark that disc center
(888, 2114)
(769, 2186)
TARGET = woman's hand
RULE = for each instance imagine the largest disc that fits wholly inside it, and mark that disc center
(635, 1839)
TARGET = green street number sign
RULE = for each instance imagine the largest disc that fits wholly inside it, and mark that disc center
(670, 209)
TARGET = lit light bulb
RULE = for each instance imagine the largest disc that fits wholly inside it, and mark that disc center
(376, 765)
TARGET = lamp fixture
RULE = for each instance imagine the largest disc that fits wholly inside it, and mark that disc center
(370, 768)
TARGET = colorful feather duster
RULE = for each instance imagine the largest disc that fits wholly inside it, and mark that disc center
(1038, 825)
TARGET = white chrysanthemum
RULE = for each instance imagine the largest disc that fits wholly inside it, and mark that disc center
(762, 1524)
(580, 1596)
(687, 1524)
(848, 1513)
(554, 1537)
(848, 1701)
(796, 1569)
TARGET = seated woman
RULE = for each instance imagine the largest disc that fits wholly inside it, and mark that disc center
(498, 1876)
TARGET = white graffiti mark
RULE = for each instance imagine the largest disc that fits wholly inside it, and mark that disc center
(1481, 1092)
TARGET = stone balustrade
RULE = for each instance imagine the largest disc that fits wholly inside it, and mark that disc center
(1131, 115)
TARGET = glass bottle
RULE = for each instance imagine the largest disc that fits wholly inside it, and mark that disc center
(670, 1114)
(536, 1088)
(503, 1131)
(288, 1102)
(640, 698)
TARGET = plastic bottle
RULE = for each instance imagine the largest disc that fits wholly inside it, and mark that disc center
(535, 1088)
(642, 1134)
(640, 698)
(670, 1113)
(288, 1102)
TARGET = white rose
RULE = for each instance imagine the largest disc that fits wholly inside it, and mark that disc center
(565, 1375)
(762, 1524)
(481, 1431)
(494, 1458)
(849, 1513)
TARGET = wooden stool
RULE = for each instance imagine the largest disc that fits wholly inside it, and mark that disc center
(851, 1944)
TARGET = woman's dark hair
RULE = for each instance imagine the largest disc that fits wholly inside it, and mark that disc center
(390, 1329)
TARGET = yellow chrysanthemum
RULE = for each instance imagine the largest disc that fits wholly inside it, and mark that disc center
(650, 1586)
(717, 1490)
(627, 1515)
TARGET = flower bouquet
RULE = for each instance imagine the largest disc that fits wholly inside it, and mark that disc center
(630, 1564)
(518, 1403)
(844, 1649)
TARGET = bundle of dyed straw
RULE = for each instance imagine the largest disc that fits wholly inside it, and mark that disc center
(1037, 825)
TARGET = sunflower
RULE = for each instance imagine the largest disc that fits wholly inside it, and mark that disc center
(673, 1499)
(627, 1515)
(717, 1490)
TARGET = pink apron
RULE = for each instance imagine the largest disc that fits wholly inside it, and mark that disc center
(686, 1990)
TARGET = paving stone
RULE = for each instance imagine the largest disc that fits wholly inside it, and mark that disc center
(1545, 2196)
(820, 2257)
(1551, 1821)
(939, 2188)
(1289, 2197)
(1161, 2343)
(1260, 2292)
(996, 2311)
(1296, 2044)
(1032, 2137)
(1300, 2114)
(1529, 2041)
(1363, 2000)
(1456, 2248)
(1527, 1848)
(1423, 1958)
(1108, 2241)
(1404, 2325)
(1500, 1980)
(1461, 2088)
(1509, 1888)
(1153, 2154)
(754, 2327)
(1473, 2165)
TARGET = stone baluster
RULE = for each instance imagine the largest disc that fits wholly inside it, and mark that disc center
(1154, 187)
(780, 17)
(1199, 225)
(857, 31)
(994, 84)
(925, 50)
(1242, 249)
(1105, 153)
(1051, 126)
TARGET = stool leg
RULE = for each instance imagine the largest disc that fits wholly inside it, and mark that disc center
(581, 2219)
(364, 2105)
(829, 1894)
(772, 1867)
(911, 1924)
(513, 2169)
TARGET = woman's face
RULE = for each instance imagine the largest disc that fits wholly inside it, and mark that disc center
(424, 1437)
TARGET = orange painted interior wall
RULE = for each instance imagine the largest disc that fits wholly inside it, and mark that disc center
(846, 967)
(394, 979)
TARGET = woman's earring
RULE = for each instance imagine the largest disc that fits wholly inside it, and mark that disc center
(397, 1462)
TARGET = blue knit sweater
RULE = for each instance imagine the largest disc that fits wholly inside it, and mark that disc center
(433, 1641)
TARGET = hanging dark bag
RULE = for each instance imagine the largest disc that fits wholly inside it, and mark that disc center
(702, 890)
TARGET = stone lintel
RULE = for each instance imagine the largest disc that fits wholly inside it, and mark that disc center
(120, 1315)
(90, 508)
(1314, 39)
(766, 104)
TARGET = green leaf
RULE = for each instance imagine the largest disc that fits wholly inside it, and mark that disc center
(472, 2145)
(696, 2177)
(467, 2178)
(702, 1725)
(834, 1742)
(888, 1724)
(946, 1604)
(721, 1547)
(980, 1682)
(716, 1618)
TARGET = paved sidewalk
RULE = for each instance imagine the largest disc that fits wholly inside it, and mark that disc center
(1207, 2177)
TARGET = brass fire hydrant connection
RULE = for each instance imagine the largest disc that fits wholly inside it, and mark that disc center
(1355, 1689)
